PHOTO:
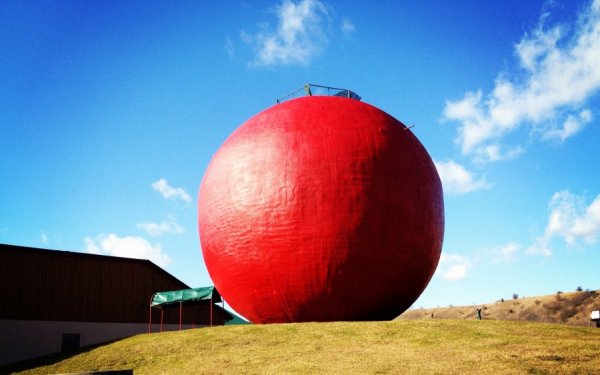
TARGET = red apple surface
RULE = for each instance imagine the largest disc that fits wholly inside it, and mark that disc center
(321, 209)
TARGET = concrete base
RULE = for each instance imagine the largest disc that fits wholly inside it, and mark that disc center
(26, 339)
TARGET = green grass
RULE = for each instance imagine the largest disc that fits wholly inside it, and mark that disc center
(400, 347)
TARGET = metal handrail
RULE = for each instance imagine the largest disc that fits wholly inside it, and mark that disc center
(307, 89)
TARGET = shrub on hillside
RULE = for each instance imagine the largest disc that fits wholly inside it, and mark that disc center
(580, 298)
(529, 315)
(566, 313)
(552, 307)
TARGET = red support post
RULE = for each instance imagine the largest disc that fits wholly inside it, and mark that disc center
(211, 308)
(150, 318)
(180, 313)
(162, 313)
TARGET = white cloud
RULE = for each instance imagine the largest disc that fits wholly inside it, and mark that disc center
(505, 253)
(156, 229)
(44, 238)
(299, 37)
(560, 71)
(495, 152)
(453, 267)
(90, 246)
(540, 247)
(229, 47)
(571, 220)
(456, 179)
(169, 192)
(128, 247)
(572, 125)
(347, 26)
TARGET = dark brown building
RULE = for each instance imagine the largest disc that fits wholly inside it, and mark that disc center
(55, 300)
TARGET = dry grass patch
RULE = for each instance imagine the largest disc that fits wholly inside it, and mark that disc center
(406, 347)
(565, 308)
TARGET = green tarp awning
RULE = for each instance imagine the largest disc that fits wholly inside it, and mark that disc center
(185, 295)
(194, 296)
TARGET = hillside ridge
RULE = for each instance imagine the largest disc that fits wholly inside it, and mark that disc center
(572, 308)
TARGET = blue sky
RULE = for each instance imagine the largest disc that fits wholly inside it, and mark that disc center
(110, 112)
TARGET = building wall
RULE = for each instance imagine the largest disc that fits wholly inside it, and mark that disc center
(61, 285)
(24, 339)
(48, 293)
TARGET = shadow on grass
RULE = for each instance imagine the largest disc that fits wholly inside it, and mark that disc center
(51, 359)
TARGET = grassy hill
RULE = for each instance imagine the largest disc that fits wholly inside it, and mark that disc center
(422, 346)
(564, 308)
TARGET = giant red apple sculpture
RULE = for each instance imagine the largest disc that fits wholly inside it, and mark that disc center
(320, 209)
